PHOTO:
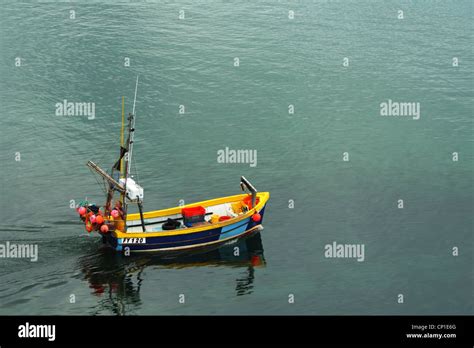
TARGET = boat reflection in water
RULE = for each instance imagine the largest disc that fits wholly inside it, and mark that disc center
(117, 279)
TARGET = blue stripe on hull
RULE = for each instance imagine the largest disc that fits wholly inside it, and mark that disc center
(178, 240)
(234, 229)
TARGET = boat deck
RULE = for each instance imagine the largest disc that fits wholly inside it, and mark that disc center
(156, 224)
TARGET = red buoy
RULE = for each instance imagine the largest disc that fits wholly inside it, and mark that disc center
(104, 228)
(82, 211)
(256, 217)
(256, 260)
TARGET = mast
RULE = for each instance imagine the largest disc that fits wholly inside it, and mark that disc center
(131, 133)
(126, 173)
(122, 169)
(117, 167)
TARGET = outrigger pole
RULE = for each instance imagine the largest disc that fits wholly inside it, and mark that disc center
(114, 183)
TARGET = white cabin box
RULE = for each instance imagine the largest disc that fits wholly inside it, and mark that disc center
(134, 191)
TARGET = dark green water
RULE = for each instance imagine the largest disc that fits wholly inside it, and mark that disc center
(283, 61)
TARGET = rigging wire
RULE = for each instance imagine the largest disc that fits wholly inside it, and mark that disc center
(101, 183)
(134, 163)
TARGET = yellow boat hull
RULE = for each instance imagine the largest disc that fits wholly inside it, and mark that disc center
(202, 236)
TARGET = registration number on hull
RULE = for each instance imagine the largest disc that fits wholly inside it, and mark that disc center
(134, 241)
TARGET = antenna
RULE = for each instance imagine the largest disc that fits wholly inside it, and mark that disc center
(135, 99)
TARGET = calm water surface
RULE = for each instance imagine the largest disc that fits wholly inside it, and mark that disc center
(190, 62)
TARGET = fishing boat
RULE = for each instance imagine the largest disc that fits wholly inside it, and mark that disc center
(199, 226)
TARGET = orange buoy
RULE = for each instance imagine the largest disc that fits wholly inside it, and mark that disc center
(99, 219)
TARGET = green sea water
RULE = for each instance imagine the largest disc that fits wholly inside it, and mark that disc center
(300, 83)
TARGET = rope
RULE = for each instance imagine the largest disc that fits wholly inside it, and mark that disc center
(101, 183)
